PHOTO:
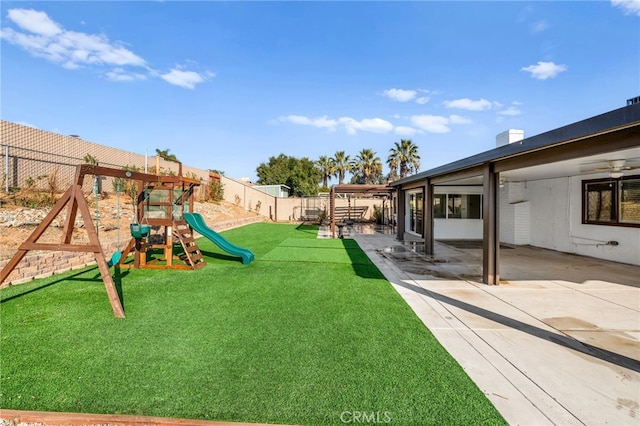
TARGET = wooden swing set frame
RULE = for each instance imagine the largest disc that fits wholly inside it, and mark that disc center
(74, 201)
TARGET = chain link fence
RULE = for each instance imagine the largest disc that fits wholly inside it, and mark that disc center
(37, 160)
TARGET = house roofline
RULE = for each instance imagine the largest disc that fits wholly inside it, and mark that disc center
(611, 121)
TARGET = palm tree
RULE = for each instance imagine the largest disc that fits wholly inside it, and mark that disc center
(325, 164)
(393, 164)
(341, 165)
(368, 165)
(404, 155)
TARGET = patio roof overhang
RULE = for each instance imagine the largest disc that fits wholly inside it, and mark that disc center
(572, 150)
(608, 133)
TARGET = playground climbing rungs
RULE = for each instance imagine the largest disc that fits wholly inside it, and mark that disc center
(193, 255)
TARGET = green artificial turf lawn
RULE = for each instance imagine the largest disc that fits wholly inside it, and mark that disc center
(306, 333)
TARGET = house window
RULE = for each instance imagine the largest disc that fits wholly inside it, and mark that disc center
(630, 201)
(463, 206)
(612, 201)
(440, 206)
(457, 206)
(416, 205)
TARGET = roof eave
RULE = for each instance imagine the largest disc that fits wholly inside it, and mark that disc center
(600, 124)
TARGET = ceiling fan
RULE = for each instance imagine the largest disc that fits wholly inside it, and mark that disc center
(616, 168)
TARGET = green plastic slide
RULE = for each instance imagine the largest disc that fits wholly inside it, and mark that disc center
(197, 223)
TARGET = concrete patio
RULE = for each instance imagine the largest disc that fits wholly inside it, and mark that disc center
(558, 342)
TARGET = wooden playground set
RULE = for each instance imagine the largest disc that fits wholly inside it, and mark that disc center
(164, 223)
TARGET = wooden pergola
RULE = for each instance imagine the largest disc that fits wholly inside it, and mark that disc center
(372, 190)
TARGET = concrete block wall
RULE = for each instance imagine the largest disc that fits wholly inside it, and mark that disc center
(290, 208)
(515, 222)
(521, 231)
(251, 199)
(556, 223)
(34, 153)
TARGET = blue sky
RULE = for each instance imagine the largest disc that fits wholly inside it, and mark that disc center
(226, 85)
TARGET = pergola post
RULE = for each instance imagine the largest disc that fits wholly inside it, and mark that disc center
(332, 208)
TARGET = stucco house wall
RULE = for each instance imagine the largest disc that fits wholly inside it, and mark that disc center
(456, 229)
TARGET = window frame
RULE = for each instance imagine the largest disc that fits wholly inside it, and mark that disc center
(617, 208)
(441, 211)
(446, 196)
(411, 216)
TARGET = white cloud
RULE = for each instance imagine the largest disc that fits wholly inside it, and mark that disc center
(400, 95)
(186, 79)
(120, 74)
(630, 7)
(469, 104)
(510, 111)
(373, 125)
(325, 123)
(437, 123)
(42, 37)
(406, 131)
(33, 21)
(320, 122)
(544, 70)
(539, 26)
(458, 119)
(431, 123)
(46, 39)
(351, 126)
(297, 119)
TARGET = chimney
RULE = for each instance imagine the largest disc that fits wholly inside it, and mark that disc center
(509, 136)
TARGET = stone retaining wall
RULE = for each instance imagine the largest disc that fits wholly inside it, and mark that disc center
(39, 264)
(235, 223)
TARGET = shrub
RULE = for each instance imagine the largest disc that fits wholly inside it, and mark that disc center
(215, 190)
